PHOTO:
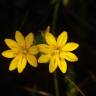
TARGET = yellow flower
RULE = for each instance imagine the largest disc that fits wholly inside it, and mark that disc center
(57, 51)
(22, 51)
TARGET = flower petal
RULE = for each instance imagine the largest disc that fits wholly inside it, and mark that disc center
(11, 43)
(8, 54)
(13, 64)
(63, 66)
(21, 63)
(43, 58)
(43, 48)
(50, 39)
(53, 64)
(33, 50)
(32, 60)
(70, 46)
(62, 39)
(29, 40)
(69, 56)
(20, 38)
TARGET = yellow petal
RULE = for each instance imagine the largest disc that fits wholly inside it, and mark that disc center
(69, 56)
(29, 40)
(21, 63)
(50, 39)
(70, 46)
(33, 50)
(43, 58)
(32, 60)
(11, 43)
(20, 38)
(53, 64)
(43, 48)
(8, 54)
(62, 39)
(13, 64)
(63, 66)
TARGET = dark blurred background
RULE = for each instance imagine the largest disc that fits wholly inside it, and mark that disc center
(78, 18)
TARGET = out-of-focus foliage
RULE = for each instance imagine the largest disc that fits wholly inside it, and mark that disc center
(66, 2)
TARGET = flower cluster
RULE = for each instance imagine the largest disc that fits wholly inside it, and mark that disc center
(56, 51)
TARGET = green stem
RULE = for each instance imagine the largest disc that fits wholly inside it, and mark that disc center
(56, 84)
(55, 15)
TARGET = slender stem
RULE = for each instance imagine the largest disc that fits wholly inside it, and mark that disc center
(55, 15)
(56, 84)
(75, 86)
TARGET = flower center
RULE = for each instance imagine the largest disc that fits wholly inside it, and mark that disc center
(24, 51)
(56, 51)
